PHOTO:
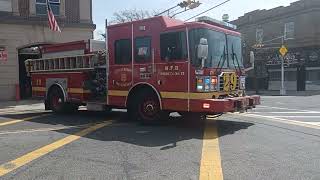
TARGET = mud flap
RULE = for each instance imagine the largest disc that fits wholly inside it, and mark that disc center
(46, 105)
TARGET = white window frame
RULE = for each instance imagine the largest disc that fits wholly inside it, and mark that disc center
(50, 1)
(259, 30)
(286, 27)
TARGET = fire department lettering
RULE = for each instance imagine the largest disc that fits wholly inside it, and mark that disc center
(123, 77)
(171, 71)
(122, 80)
(230, 81)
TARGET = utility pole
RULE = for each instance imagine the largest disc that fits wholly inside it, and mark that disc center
(283, 51)
(282, 89)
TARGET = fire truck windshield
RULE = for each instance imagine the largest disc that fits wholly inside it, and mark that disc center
(235, 52)
(219, 50)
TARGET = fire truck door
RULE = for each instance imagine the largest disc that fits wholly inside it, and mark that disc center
(120, 72)
(172, 71)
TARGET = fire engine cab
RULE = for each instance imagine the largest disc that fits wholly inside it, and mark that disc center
(151, 67)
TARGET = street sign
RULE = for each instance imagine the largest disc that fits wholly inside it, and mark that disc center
(283, 50)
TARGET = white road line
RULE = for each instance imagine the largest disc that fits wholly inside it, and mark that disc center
(286, 108)
(287, 112)
(41, 130)
(55, 128)
(285, 121)
(292, 116)
(314, 123)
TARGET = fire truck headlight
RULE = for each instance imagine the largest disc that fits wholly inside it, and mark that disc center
(206, 106)
(214, 83)
(199, 87)
(242, 81)
(207, 84)
(200, 84)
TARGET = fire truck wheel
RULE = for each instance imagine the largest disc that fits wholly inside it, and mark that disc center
(145, 107)
(56, 100)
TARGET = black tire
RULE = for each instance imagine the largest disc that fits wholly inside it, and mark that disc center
(145, 107)
(56, 100)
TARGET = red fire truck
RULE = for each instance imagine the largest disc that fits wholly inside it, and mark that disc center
(151, 67)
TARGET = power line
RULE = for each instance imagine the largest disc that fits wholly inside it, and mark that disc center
(179, 12)
(208, 10)
(167, 10)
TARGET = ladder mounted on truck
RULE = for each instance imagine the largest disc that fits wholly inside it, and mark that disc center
(68, 63)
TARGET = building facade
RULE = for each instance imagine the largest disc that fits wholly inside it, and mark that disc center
(298, 26)
(24, 28)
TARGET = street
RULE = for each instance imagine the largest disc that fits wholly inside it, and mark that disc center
(278, 140)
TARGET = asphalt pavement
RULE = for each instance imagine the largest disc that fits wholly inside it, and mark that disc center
(278, 140)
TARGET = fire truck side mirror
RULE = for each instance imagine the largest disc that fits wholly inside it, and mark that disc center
(252, 58)
(251, 62)
(203, 49)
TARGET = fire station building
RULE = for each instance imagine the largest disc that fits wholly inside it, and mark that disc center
(24, 29)
(299, 26)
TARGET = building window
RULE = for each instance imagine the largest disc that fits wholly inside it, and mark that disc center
(142, 49)
(289, 30)
(259, 35)
(313, 75)
(5, 5)
(41, 7)
(173, 46)
(123, 51)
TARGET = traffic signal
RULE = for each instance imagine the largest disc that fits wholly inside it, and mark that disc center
(189, 3)
(184, 4)
(194, 5)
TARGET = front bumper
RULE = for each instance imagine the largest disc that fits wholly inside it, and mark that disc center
(214, 106)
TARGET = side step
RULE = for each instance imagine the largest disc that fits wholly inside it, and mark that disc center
(97, 106)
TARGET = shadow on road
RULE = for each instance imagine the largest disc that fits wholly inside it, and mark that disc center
(166, 136)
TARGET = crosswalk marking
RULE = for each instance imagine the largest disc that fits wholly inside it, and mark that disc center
(285, 121)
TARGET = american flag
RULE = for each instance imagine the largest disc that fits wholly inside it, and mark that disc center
(53, 24)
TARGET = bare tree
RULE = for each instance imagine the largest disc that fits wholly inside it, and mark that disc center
(130, 15)
(126, 16)
(100, 35)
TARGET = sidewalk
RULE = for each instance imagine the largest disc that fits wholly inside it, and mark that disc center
(24, 106)
(288, 93)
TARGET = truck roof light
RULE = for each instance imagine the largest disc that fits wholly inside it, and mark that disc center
(216, 22)
(142, 28)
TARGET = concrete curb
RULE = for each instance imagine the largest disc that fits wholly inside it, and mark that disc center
(12, 104)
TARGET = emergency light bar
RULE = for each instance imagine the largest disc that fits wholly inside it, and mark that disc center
(215, 22)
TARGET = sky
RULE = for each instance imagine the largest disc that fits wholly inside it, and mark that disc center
(104, 9)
